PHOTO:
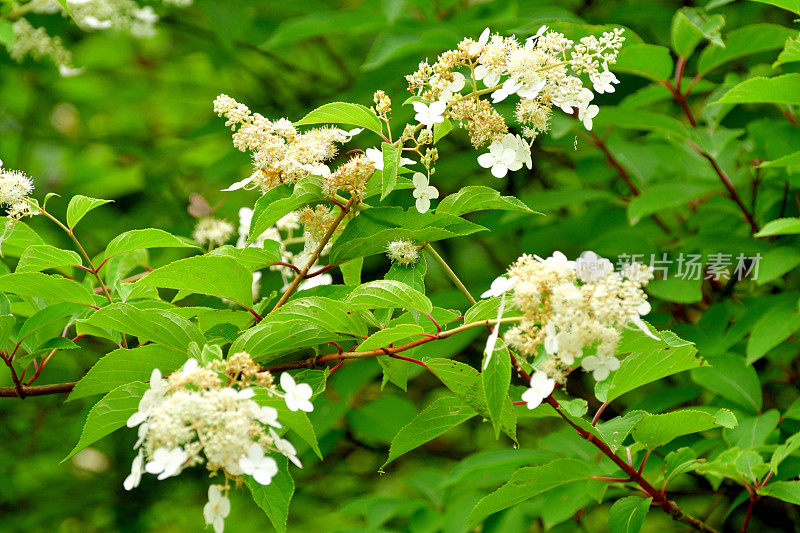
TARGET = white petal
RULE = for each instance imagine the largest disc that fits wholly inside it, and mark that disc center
(287, 382)
(423, 204)
(499, 171)
(437, 108)
(240, 184)
(419, 180)
(486, 160)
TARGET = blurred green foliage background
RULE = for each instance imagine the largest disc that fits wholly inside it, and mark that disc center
(137, 127)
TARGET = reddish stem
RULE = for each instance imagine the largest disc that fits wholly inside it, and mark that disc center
(599, 412)
(320, 271)
(258, 317)
(438, 327)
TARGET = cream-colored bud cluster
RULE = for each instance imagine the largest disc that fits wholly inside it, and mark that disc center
(38, 44)
(213, 232)
(351, 176)
(403, 252)
(383, 104)
(15, 187)
(282, 153)
(576, 310)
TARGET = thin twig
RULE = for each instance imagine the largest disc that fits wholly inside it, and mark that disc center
(313, 259)
(450, 274)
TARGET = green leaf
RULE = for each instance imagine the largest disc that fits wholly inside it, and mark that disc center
(391, 160)
(789, 5)
(777, 90)
(782, 162)
(645, 60)
(110, 414)
(279, 202)
(742, 42)
(438, 418)
(124, 366)
(467, 384)
(657, 430)
(412, 275)
(40, 285)
(18, 238)
(793, 411)
(529, 482)
(43, 257)
(730, 377)
(351, 271)
(49, 315)
(300, 323)
(664, 196)
(145, 238)
(627, 514)
(676, 289)
(383, 294)
(649, 360)
(56, 343)
(774, 327)
(154, 325)
(478, 198)
(754, 430)
(275, 336)
(491, 468)
(685, 35)
(487, 310)
(496, 380)
(326, 313)
(343, 113)
(788, 491)
(621, 117)
(781, 226)
(384, 337)
(783, 451)
(80, 205)
(441, 129)
(219, 276)
(374, 228)
(776, 263)
(790, 52)
(253, 257)
(615, 431)
(7, 322)
(679, 462)
(7, 34)
(274, 498)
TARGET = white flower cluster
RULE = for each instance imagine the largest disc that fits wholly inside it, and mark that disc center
(90, 15)
(15, 187)
(206, 415)
(543, 72)
(575, 311)
(118, 14)
(510, 153)
(212, 232)
(282, 154)
(38, 44)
